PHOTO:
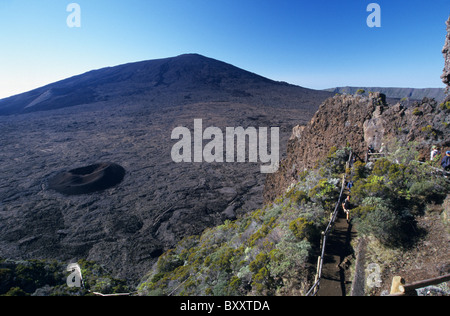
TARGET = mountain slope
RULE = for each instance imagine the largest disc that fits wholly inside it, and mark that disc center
(190, 76)
(127, 117)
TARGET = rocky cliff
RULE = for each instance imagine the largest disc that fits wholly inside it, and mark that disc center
(359, 121)
(446, 51)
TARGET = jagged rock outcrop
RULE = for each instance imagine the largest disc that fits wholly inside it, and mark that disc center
(359, 121)
(446, 51)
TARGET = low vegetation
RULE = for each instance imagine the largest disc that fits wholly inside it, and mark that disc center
(392, 192)
(48, 278)
(272, 251)
(445, 106)
(266, 252)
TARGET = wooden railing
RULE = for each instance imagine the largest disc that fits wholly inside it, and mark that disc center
(374, 156)
(315, 288)
(399, 288)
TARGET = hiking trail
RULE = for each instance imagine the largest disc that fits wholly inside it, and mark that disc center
(335, 272)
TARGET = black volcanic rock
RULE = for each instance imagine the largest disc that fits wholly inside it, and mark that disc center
(446, 51)
(126, 114)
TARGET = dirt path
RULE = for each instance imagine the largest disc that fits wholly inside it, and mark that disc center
(335, 274)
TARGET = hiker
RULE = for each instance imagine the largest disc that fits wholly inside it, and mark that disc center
(446, 161)
(434, 153)
(350, 186)
(370, 150)
(346, 206)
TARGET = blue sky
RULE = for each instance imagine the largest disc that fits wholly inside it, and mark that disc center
(315, 44)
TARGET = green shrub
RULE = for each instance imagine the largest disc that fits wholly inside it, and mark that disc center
(301, 228)
(396, 190)
(262, 281)
(359, 171)
(334, 164)
(168, 262)
(16, 291)
(289, 258)
(445, 106)
(382, 223)
(368, 205)
(373, 186)
(417, 112)
(297, 196)
(429, 130)
(423, 189)
(325, 192)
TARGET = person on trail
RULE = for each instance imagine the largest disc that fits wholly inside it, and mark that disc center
(349, 186)
(446, 161)
(370, 150)
(346, 206)
(434, 152)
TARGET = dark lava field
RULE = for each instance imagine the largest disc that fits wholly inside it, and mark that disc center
(127, 117)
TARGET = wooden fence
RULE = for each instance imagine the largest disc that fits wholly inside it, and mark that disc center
(315, 288)
(399, 288)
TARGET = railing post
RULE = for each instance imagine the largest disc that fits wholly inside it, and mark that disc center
(397, 286)
(317, 270)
